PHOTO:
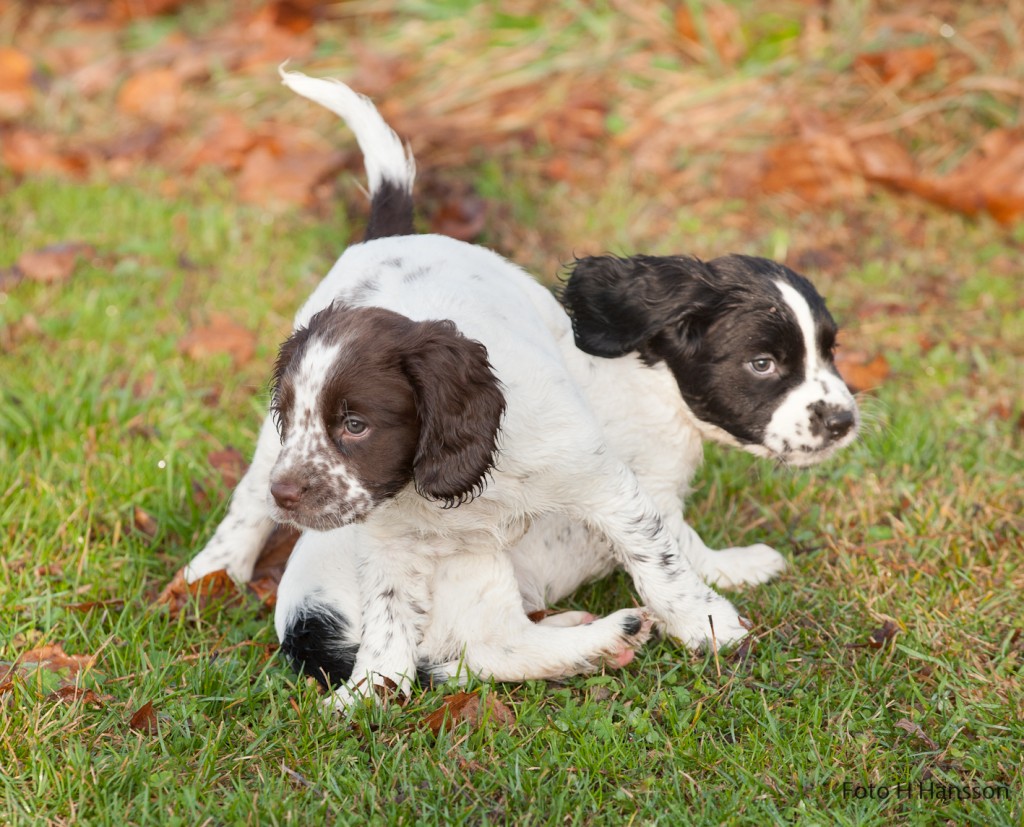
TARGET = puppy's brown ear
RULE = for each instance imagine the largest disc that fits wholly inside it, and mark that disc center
(280, 388)
(460, 405)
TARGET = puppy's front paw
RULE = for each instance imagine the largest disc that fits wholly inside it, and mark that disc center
(367, 691)
(715, 623)
(744, 566)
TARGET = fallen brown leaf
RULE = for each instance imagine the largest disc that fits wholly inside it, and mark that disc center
(221, 335)
(462, 218)
(270, 565)
(55, 262)
(214, 587)
(15, 83)
(883, 635)
(820, 168)
(25, 152)
(884, 159)
(287, 177)
(144, 719)
(858, 369)
(75, 694)
(990, 180)
(899, 64)
(467, 707)
(53, 658)
(155, 95)
(144, 522)
(720, 24)
(230, 463)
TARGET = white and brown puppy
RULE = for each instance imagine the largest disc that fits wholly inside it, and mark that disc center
(424, 414)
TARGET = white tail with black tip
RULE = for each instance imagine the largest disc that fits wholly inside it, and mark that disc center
(390, 168)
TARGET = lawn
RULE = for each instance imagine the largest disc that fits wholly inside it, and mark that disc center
(885, 669)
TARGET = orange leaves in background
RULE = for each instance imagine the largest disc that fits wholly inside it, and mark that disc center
(823, 167)
(15, 83)
(221, 335)
(990, 179)
(900, 65)
(55, 262)
(154, 94)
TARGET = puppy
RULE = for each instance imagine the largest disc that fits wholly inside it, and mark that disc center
(737, 350)
(424, 414)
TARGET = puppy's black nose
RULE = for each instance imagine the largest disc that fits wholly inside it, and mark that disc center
(838, 423)
(286, 494)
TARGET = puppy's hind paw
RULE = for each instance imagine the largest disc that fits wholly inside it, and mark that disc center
(635, 627)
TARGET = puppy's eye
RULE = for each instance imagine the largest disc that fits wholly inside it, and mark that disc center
(354, 426)
(762, 365)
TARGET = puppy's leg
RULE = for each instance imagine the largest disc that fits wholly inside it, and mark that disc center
(557, 556)
(394, 586)
(237, 542)
(729, 568)
(478, 624)
(742, 566)
(613, 502)
(318, 613)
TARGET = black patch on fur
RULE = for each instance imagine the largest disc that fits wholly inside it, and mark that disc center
(707, 321)
(318, 642)
(391, 212)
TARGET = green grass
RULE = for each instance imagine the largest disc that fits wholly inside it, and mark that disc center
(920, 523)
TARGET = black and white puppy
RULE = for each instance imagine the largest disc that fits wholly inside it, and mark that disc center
(426, 411)
(737, 350)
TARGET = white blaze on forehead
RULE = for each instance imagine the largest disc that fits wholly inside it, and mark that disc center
(317, 361)
(805, 319)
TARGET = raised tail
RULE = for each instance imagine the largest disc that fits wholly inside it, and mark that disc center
(390, 167)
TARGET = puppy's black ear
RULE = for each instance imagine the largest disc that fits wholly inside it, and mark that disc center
(460, 405)
(617, 305)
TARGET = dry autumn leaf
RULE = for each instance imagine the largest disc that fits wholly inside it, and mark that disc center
(230, 463)
(53, 658)
(221, 335)
(468, 707)
(55, 262)
(24, 152)
(144, 720)
(15, 83)
(144, 522)
(277, 176)
(270, 565)
(155, 94)
(883, 635)
(821, 169)
(216, 586)
(899, 64)
(990, 180)
(860, 371)
(77, 694)
(718, 23)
